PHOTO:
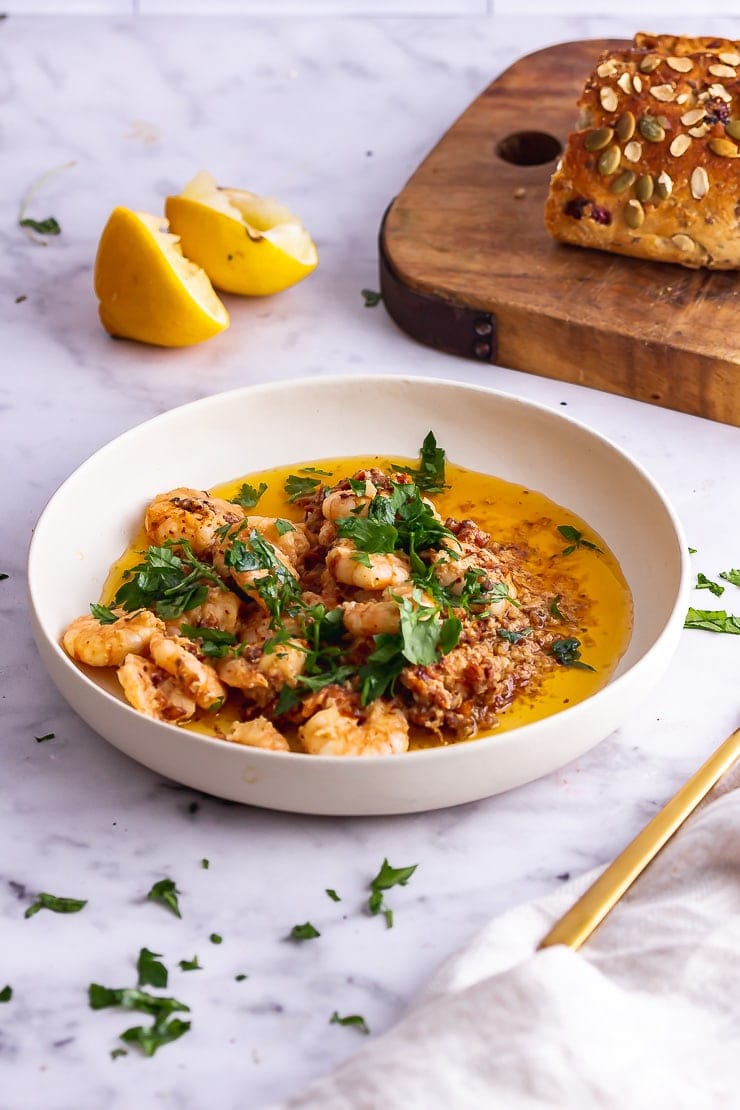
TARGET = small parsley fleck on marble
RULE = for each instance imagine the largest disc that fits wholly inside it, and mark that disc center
(215, 938)
(166, 893)
(333, 895)
(190, 965)
(205, 864)
(241, 977)
(386, 878)
(56, 904)
(151, 972)
(355, 1020)
(371, 297)
(304, 932)
(6, 993)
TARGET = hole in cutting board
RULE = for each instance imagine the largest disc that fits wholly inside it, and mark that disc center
(529, 148)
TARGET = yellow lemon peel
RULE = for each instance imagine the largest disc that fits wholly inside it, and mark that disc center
(247, 244)
(147, 289)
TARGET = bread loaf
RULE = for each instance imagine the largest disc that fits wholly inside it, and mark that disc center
(653, 169)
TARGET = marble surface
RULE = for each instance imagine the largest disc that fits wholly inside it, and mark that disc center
(332, 116)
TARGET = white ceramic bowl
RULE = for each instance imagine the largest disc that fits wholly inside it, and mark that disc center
(93, 516)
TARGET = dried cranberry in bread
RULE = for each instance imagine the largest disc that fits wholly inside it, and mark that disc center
(654, 167)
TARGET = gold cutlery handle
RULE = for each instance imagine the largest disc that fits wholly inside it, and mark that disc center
(589, 911)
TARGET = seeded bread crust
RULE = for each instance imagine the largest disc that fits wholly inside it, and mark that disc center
(653, 169)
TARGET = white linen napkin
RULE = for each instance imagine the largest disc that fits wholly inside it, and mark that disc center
(646, 1014)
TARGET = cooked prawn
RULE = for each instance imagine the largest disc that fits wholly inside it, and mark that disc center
(454, 560)
(258, 733)
(385, 731)
(364, 619)
(247, 580)
(340, 503)
(151, 690)
(176, 655)
(221, 609)
(265, 678)
(291, 542)
(369, 571)
(189, 514)
(107, 645)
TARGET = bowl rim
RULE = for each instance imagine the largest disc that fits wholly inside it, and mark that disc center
(465, 748)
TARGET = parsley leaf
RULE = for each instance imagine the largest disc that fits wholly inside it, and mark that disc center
(151, 972)
(240, 977)
(116, 1052)
(131, 998)
(333, 895)
(297, 487)
(512, 636)
(351, 1019)
(216, 938)
(713, 620)
(430, 476)
(386, 878)
(304, 932)
(103, 614)
(371, 297)
(167, 582)
(555, 609)
(567, 652)
(166, 893)
(205, 864)
(248, 496)
(732, 576)
(55, 904)
(575, 539)
(214, 643)
(150, 1038)
(190, 965)
(49, 226)
(6, 993)
(704, 583)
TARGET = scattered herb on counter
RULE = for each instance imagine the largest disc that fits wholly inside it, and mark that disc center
(6, 993)
(55, 904)
(48, 736)
(3, 576)
(164, 1029)
(731, 576)
(371, 297)
(116, 1052)
(568, 653)
(241, 977)
(216, 938)
(248, 497)
(386, 878)
(150, 1038)
(21, 298)
(304, 932)
(167, 893)
(693, 550)
(37, 229)
(296, 486)
(704, 583)
(575, 540)
(151, 972)
(355, 1020)
(190, 965)
(333, 895)
(713, 620)
(205, 864)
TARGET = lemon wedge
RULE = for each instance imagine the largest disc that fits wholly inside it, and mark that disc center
(147, 289)
(246, 244)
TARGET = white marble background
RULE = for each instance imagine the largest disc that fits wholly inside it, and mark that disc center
(332, 116)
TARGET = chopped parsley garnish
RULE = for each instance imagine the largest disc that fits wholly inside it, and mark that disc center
(304, 932)
(49, 226)
(386, 878)
(216, 938)
(190, 965)
(731, 576)
(333, 895)
(240, 977)
(164, 1029)
(248, 496)
(116, 1052)
(371, 297)
(205, 864)
(355, 1020)
(713, 620)
(6, 993)
(213, 642)
(512, 636)
(37, 229)
(151, 972)
(555, 609)
(103, 614)
(167, 582)
(315, 470)
(568, 653)
(297, 487)
(150, 1038)
(48, 736)
(575, 540)
(55, 904)
(430, 476)
(165, 892)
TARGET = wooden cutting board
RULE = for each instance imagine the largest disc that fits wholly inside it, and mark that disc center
(467, 266)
